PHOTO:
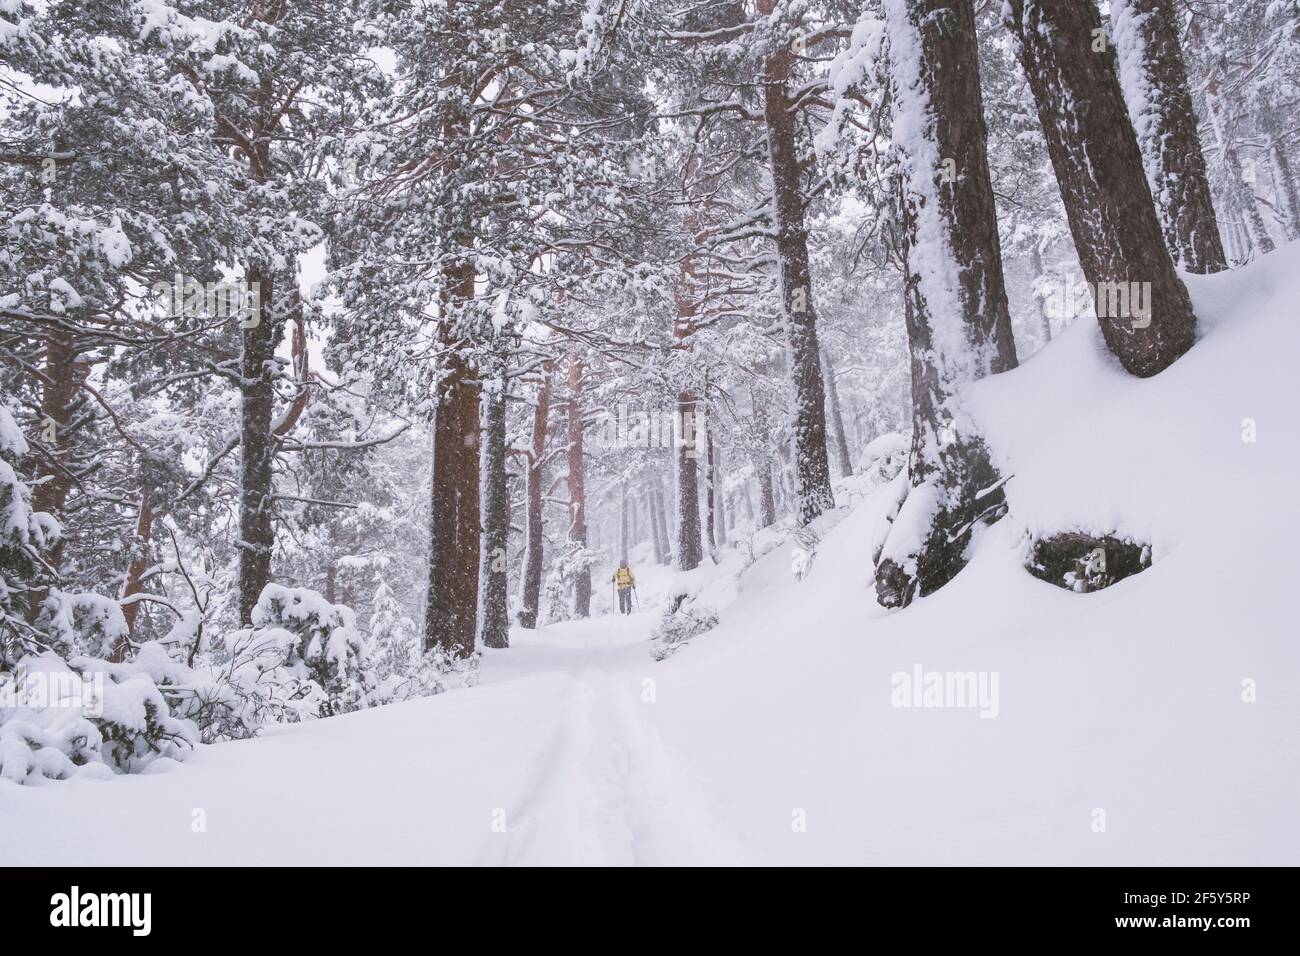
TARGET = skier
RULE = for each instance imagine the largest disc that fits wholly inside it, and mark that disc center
(625, 581)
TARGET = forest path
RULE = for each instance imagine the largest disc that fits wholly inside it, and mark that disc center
(606, 791)
(554, 758)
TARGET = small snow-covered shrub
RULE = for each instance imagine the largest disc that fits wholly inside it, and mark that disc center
(682, 620)
(804, 552)
(136, 719)
(884, 457)
(401, 668)
(561, 581)
(24, 534)
(302, 658)
(230, 700)
(421, 673)
(319, 646)
(64, 710)
(84, 623)
(60, 718)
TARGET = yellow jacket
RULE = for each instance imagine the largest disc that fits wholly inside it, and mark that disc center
(624, 578)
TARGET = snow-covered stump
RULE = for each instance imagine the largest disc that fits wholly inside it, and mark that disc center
(926, 546)
(1084, 562)
(1145, 314)
(958, 325)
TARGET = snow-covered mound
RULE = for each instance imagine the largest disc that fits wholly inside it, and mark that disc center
(1153, 722)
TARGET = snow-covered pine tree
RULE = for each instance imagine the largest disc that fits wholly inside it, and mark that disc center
(1146, 317)
(1154, 78)
(959, 328)
(812, 468)
(25, 533)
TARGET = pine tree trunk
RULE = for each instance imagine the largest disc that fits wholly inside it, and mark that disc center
(689, 549)
(622, 523)
(766, 497)
(60, 388)
(812, 470)
(839, 439)
(859, 430)
(1285, 186)
(1153, 75)
(134, 583)
(710, 494)
(787, 492)
(958, 324)
(531, 579)
(494, 625)
(1040, 299)
(1241, 193)
(671, 515)
(665, 555)
(652, 512)
(633, 526)
(652, 516)
(260, 336)
(1238, 245)
(719, 498)
(1108, 202)
(451, 606)
(578, 489)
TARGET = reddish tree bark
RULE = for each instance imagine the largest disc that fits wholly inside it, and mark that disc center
(1099, 169)
(61, 387)
(654, 508)
(531, 579)
(578, 488)
(495, 625)
(839, 439)
(958, 323)
(812, 469)
(710, 493)
(259, 337)
(1160, 102)
(451, 607)
(134, 583)
(689, 549)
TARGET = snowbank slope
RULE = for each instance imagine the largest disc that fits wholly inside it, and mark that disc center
(1128, 701)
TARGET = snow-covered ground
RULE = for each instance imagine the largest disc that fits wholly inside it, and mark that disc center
(1155, 722)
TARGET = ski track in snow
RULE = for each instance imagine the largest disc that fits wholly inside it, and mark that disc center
(608, 793)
